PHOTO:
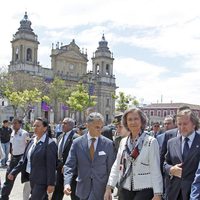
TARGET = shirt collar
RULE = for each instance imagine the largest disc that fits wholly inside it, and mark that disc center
(90, 137)
(191, 137)
(42, 139)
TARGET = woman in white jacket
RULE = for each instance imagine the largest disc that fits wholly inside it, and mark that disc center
(137, 166)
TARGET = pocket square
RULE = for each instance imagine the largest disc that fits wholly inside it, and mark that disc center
(102, 153)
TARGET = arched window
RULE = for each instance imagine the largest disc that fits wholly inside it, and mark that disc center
(107, 69)
(17, 54)
(29, 54)
(97, 69)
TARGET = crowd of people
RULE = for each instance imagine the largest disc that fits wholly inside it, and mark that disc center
(90, 161)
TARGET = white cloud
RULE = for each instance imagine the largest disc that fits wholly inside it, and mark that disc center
(169, 28)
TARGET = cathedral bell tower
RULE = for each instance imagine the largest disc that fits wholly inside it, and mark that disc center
(102, 72)
(25, 49)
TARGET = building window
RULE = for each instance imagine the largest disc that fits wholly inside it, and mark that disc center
(97, 69)
(29, 54)
(107, 118)
(172, 112)
(107, 69)
(164, 113)
(159, 113)
(107, 102)
(17, 54)
(151, 112)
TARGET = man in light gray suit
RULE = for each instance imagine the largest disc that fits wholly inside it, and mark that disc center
(92, 155)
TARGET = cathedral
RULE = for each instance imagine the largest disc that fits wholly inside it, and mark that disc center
(70, 64)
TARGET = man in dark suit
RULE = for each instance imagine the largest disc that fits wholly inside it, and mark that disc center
(183, 156)
(64, 144)
(92, 155)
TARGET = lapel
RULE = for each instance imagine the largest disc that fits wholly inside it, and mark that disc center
(85, 145)
(28, 147)
(194, 147)
(69, 139)
(39, 145)
(178, 148)
(59, 138)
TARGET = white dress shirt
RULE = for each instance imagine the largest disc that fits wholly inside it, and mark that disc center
(35, 142)
(19, 141)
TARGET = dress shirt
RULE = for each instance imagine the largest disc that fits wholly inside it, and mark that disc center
(19, 141)
(35, 142)
(190, 137)
(90, 141)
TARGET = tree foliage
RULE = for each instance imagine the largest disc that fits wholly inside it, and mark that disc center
(24, 100)
(123, 101)
(80, 100)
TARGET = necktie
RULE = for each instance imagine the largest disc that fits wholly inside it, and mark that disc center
(185, 148)
(92, 148)
(61, 146)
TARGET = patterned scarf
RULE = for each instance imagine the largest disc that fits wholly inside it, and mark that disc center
(133, 148)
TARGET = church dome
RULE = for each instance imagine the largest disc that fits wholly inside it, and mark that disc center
(25, 24)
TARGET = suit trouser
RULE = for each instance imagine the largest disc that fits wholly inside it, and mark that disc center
(38, 192)
(8, 184)
(146, 194)
(59, 188)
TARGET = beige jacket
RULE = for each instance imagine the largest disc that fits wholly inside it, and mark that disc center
(145, 169)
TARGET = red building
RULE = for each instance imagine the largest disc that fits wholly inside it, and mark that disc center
(158, 111)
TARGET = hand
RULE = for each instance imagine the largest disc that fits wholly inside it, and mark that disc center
(156, 197)
(108, 194)
(50, 189)
(10, 177)
(67, 189)
(176, 170)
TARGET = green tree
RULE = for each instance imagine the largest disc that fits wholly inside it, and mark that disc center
(123, 102)
(80, 100)
(24, 100)
(58, 93)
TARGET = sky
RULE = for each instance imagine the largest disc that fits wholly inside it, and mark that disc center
(155, 43)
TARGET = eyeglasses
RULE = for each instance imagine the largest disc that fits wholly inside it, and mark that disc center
(156, 126)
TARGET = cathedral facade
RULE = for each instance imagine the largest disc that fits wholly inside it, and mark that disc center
(70, 64)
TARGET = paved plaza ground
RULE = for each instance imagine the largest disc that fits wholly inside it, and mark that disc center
(16, 193)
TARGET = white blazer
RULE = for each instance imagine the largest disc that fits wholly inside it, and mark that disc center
(145, 169)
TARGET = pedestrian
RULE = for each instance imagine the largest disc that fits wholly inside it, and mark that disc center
(137, 166)
(5, 133)
(92, 155)
(39, 162)
(18, 144)
(65, 141)
(183, 156)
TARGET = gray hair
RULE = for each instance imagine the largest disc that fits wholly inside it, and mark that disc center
(140, 113)
(193, 117)
(94, 116)
(70, 122)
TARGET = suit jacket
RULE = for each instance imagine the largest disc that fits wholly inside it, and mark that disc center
(67, 146)
(43, 163)
(168, 135)
(160, 138)
(92, 175)
(195, 191)
(189, 167)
